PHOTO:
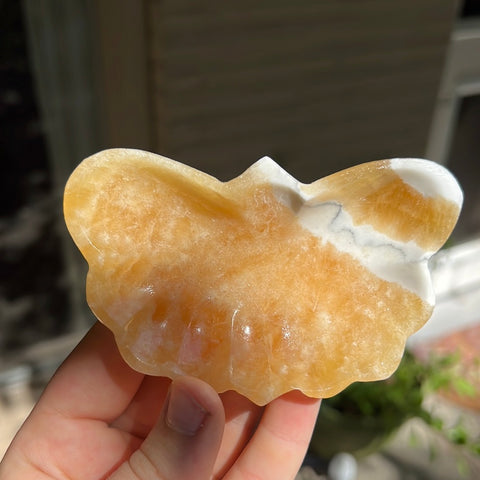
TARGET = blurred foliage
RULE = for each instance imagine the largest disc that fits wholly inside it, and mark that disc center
(389, 403)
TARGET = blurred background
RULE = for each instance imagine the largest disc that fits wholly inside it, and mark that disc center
(317, 85)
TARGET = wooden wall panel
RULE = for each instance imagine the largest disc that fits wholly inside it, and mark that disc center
(318, 85)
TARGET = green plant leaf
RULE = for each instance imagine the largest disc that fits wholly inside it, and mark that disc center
(458, 435)
(463, 387)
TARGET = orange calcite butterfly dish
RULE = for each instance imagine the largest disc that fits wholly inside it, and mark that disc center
(261, 284)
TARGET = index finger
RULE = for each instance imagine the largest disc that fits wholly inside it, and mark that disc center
(94, 381)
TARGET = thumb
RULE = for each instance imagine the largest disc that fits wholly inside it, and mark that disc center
(185, 441)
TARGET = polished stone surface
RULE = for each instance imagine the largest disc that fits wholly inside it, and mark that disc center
(261, 284)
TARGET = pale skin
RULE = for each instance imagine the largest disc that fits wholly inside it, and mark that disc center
(99, 419)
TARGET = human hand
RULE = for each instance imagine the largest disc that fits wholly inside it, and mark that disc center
(99, 419)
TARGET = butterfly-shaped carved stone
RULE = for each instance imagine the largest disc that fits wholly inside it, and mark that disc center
(261, 284)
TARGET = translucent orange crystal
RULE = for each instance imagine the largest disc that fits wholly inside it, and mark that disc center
(261, 284)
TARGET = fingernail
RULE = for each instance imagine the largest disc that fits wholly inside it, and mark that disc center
(184, 414)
